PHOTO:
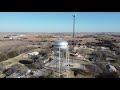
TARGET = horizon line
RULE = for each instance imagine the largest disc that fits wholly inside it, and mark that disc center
(60, 32)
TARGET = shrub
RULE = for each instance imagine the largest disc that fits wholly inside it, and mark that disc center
(12, 54)
(36, 63)
(50, 76)
(30, 66)
(61, 76)
(3, 57)
(34, 57)
(13, 69)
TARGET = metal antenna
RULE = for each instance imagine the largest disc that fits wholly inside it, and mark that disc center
(74, 29)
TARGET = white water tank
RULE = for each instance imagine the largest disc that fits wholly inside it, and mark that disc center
(61, 44)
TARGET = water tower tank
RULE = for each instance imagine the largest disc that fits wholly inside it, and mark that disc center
(61, 44)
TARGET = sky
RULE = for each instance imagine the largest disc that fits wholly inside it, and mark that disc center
(59, 21)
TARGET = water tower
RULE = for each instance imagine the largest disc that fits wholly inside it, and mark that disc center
(61, 57)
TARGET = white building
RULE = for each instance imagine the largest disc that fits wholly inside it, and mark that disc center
(16, 36)
(33, 53)
(22, 35)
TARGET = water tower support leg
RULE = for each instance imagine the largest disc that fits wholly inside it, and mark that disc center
(59, 62)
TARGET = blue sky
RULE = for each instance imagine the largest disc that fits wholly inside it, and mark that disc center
(59, 21)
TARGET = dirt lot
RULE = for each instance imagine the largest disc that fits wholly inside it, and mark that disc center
(11, 43)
